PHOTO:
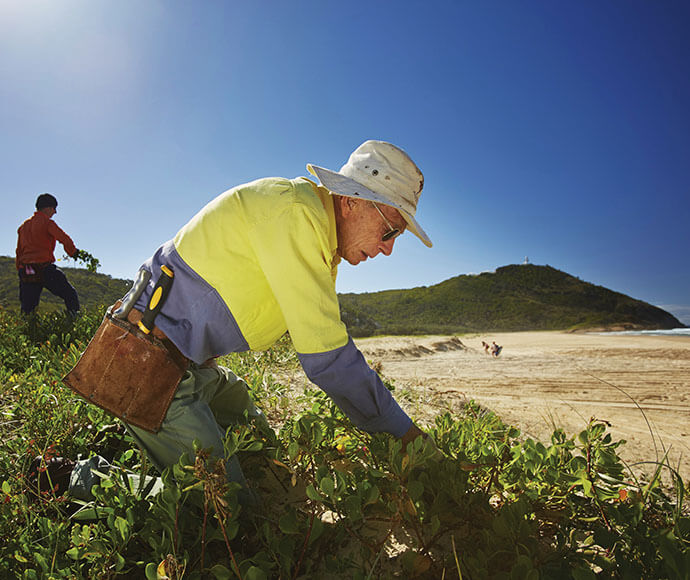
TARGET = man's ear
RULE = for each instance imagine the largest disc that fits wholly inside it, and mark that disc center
(347, 205)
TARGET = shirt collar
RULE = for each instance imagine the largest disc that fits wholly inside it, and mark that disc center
(327, 201)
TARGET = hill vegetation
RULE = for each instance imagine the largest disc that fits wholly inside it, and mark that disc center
(513, 298)
(519, 297)
(94, 289)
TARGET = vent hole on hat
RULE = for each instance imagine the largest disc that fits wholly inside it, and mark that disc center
(375, 172)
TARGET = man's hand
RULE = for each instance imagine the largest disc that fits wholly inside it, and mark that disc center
(413, 432)
(87, 259)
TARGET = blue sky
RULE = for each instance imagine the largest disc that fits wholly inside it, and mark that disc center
(559, 131)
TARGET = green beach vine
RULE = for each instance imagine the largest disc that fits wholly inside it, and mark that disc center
(335, 502)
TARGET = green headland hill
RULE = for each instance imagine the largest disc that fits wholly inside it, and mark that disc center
(513, 298)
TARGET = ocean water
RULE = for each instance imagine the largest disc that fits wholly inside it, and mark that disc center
(672, 332)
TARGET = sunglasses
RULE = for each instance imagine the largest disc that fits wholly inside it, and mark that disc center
(392, 232)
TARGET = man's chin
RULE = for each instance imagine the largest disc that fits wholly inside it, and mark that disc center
(358, 259)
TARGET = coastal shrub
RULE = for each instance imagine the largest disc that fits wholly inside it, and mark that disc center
(336, 502)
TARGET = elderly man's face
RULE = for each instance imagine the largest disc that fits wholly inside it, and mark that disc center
(361, 229)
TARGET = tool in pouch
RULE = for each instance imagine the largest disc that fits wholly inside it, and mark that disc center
(158, 298)
(127, 368)
(135, 292)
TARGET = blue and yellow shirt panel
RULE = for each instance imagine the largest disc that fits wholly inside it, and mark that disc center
(256, 261)
(269, 249)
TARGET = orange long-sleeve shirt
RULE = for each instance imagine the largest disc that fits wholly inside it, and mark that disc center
(36, 240)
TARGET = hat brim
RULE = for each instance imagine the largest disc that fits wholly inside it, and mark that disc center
(342, 185)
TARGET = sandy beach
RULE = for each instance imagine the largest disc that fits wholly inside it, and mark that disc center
(547, 379)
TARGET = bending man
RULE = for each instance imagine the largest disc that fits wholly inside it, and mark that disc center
(259, 260)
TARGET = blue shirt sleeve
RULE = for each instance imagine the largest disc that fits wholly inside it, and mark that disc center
(354, 386)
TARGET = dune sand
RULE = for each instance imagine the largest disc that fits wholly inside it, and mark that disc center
(547, 379)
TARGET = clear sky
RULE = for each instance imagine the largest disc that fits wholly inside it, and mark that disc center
(559, 131)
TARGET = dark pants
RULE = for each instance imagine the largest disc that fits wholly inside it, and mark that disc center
(54, 280)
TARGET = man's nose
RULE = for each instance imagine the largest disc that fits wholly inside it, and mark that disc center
(386, 248)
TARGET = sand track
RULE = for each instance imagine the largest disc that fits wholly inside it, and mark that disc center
(544, 379)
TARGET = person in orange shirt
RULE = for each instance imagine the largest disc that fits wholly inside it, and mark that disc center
(35, 260)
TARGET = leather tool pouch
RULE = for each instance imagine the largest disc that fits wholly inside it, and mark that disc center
(130, 374)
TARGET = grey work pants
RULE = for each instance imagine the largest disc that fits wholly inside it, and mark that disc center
(208, 400)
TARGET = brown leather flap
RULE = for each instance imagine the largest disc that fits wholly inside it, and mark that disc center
(127, 373)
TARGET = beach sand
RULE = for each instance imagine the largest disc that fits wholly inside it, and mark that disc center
(547, 379)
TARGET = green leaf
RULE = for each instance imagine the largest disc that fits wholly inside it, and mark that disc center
(521, 568)
(122, 526)
(286, 547)
(42, 562)
(6, 487)
(220, 572)
(353, 506)
(597, 431)
(254, 446)
(317, 434)
(232, 528)
(327, 485)
(230, 443)
(120, 561)
(583, 574)
(151, 573)
(415, 489)
(683, 528)
(255, 573)
(288, 523)
(500, 526)
(587, 487)
(316, 531)
(312, 493)
(372, 495)
(90, 513)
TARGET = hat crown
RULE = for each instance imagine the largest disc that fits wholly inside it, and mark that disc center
(387, 170)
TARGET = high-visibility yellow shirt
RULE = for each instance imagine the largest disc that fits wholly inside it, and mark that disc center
(256, 261)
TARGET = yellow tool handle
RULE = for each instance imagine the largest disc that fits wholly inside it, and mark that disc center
(160, 293)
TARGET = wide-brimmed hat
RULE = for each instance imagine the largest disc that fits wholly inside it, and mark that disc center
(380, 172)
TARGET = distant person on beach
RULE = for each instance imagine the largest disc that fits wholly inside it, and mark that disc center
(257, 261)
(486, 346)
(35, 260)
(495, 349)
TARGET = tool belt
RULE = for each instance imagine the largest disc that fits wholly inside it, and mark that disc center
(128, 373)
